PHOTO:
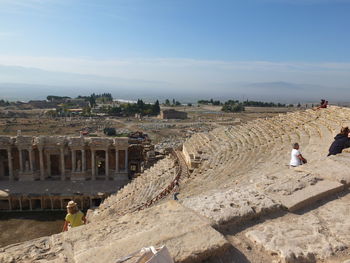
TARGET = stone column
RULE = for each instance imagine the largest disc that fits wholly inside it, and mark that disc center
(20, 160)
(83, 161)
(30, 204)
(106, 164)
(62, 164)
(41, 160)
(93, 165)
(116, 160)
(126, 161)
(9, 157)
(74, 161)
(10, 204)
(31, 164)
(48, 161)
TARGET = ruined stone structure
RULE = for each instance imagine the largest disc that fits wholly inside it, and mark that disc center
(27, 158)
(240, 203)
(45, 159)
(173, 114)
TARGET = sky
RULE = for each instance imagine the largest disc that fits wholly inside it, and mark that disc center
(269, 49)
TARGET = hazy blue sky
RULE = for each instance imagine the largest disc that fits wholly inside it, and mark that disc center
(178, 44)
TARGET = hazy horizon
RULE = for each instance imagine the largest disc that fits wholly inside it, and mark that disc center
(269, 50)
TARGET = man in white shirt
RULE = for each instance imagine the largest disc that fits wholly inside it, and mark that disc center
(296, 157)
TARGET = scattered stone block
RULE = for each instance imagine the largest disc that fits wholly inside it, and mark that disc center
(311, 194)
(334, 168)
(232, 206)
(297, 189)
(316, 235)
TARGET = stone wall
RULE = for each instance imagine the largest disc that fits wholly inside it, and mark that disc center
(28, 158)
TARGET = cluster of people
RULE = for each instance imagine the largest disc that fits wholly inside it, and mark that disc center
(323, 104)
(341, 141)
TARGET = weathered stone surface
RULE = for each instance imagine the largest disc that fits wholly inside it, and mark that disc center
(334, 168)
(64, 188)
(285, 182)
(295, 189)
(188, 237)
(305, 238)
(232, 206)
(310, 194)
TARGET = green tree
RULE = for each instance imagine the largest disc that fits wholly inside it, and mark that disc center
(92, 100)
(156, 108)
(86, 111)
(110, 131)
(233, 106)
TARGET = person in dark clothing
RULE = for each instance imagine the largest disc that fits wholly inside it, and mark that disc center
(341, 141)
(176, 190)
(323, 104)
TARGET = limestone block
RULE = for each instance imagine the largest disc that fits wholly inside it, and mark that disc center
(295, 241)
(310, 194)
(335, 168)
(295, 190)
(187, 235)
(309, 237)
(232, 206)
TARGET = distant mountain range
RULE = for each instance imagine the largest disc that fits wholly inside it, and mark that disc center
(19, 83)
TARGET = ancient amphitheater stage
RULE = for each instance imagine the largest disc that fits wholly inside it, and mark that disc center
(45, 172)
(239, 201)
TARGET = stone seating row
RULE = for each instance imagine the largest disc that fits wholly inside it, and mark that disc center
(233, 151)
(142, 188)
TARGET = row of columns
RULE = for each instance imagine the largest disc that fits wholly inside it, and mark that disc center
(62, 162)
(21, 161)
(42, 199)
(93, 162)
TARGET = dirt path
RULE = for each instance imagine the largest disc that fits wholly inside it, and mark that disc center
(19, 227)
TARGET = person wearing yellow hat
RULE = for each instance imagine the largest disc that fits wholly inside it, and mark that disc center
(74, 216)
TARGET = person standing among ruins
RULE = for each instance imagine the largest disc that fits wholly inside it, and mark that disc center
(296, 157)
(341, 141)
(74, 216)
(176, 190)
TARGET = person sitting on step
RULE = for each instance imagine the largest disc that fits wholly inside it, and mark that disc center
(323, 104)
(341, 141)
(74, 216)
(296, 157)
